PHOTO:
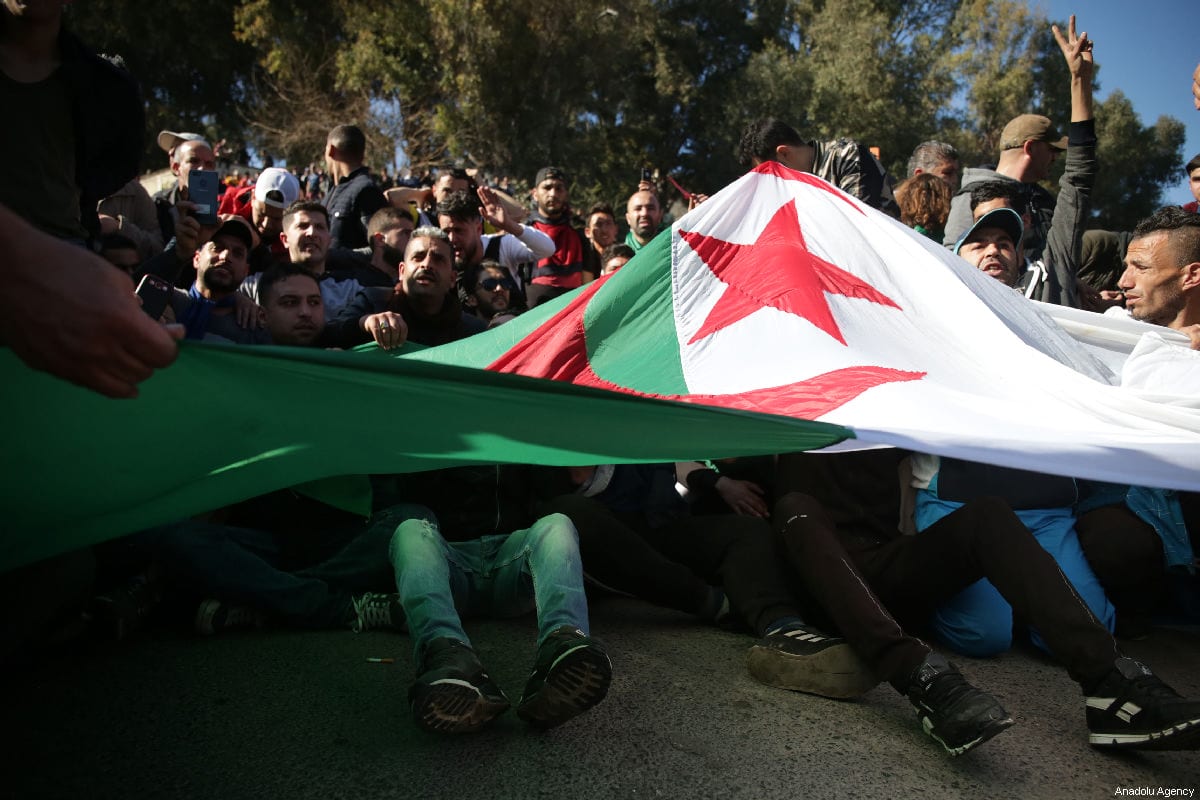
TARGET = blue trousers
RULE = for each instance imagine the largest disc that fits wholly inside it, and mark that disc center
(500, 576)
(248, 567)
(978, 621)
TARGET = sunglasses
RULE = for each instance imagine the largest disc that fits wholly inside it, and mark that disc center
(492, 284)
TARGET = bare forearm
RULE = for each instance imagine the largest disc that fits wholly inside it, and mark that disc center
(1081, 98)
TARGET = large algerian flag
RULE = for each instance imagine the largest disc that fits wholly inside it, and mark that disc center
(781, 315)
(782, 295)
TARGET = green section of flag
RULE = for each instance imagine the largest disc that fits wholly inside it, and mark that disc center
(225, 423)
(630, 325)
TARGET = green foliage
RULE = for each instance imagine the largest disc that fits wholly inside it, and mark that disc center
(194, 74)
(606, 87)
(1135, 163)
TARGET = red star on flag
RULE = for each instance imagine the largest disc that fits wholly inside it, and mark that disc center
(779, 271)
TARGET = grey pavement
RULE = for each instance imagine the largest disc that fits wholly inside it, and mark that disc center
(280, 714)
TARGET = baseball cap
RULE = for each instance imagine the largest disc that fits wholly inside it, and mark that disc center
(238, 228)
(1031, 128)
(558, 173)
(1005, 219)
(169, 140)
(276, 187)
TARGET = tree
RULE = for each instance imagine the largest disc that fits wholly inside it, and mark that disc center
(993, 53)
(194, 75)
(1135, 163)
(606, 87)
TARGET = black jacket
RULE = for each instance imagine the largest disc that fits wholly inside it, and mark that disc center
(448, 325)
(351, 204)
(109, 125)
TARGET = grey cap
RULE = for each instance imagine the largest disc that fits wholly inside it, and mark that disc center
(1005, 219)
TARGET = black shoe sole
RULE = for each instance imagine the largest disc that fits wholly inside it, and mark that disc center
(575, 683)
(454, 706)
(836, 672)
(1184, 736)
(989, 730)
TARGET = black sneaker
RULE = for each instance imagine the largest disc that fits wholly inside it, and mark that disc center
(953, 712)
(453, 693)
(1132, 708)
(123, 611)
(571, 674)
(215, 616)
(373, 611)
(805, 660)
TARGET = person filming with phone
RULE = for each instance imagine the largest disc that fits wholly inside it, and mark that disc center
(185, 152)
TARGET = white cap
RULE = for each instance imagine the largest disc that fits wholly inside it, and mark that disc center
(169, 140)
(276, 187)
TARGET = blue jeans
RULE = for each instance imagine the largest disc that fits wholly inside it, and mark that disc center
(499, 576)
(246, 566)
(978, 620)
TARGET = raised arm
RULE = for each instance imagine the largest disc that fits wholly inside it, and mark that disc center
(1077, 50)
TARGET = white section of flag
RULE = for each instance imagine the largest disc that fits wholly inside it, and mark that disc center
(1003, 383)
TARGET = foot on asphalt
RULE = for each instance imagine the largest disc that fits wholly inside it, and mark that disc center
(803, 659)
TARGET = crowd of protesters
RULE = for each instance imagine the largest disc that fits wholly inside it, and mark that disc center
(811, 555)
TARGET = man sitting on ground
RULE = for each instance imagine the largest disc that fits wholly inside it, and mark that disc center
(488, 554)
(838, 526)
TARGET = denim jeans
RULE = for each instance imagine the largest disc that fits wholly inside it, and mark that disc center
(500, 576)
(246, 566)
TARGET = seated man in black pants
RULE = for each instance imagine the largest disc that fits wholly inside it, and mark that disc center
(841, 536)
(636, 535)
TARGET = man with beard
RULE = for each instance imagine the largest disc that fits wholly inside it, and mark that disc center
(461, 217)
(423, 306)
(490, 293)
(206, 309)
(644, 214)
(566, 268)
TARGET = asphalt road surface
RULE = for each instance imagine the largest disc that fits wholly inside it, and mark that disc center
(278, 714)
